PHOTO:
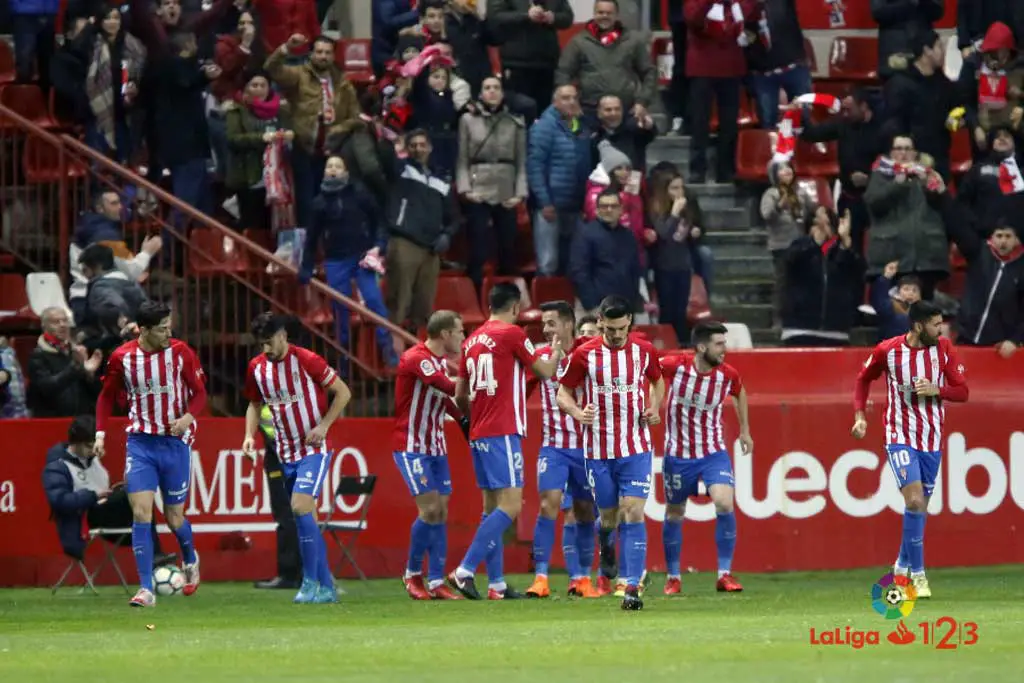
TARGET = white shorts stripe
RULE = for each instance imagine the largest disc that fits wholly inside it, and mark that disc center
(511, 462)
(408, 474)
(322, 473)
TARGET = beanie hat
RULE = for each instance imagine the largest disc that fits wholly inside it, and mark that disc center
(612, 157)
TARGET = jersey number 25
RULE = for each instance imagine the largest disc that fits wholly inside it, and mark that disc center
(481, 374)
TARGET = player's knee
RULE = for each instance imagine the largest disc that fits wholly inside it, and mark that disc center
(550, 504)
(724, 506)
(301, 506)
(632, 510)
(432, 512)
(674, 513)
(915, 502)
(582, 513)
(143, 514)
(175, 517)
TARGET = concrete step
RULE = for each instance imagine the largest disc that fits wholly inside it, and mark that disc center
(717, 220)
(676, 149)
(717, 196)
(767, 337)
(754, 316)
(738, 243)
(742, 291)
(743, 267)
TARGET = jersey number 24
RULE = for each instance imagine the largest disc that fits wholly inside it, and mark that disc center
(481, 374)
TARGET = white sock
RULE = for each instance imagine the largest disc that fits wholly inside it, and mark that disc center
(722, 572)
(677, 577)
(435, 583)
(500, 586)
(917, 575)
(462, 573)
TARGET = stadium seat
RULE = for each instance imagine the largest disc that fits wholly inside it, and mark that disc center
(15, 312)
(854, 58)
(738, 336)
(112, 538)
(528, 312)
(747, 116)
(45, 290)
(458, 294)
(663, 337)
(753, 152)
(699, 307)
(960, 152)
(214, 252)
(27, 101)
(816, 160)
(335, 528)
(42, 162)
(551, 288)
(308, 303)
(353, 56)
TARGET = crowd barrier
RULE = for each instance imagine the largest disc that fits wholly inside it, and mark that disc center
(808, 497)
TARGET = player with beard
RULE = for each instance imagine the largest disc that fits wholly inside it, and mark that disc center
(695, 451)
(922, 373)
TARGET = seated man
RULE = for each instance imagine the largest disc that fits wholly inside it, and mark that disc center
(76, 484)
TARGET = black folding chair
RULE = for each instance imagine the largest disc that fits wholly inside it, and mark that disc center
(349, 486)
(113, 538)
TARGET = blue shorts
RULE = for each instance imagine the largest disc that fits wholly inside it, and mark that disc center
(306, 475)
(563, 469)
(424, 473)
(498, 462)
(682, 475)
(910, 465)
(628, 477)
(156, 462)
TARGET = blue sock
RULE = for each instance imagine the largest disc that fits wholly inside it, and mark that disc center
(620, 537)
(585, 546)
(419, 544)
(494, 560)
(438, 553)
(309, 548)
(913, 539)
(323, 567)
(672, 538)
(902, 561)
(725, 540)
(142, 546)
(543, 539)
(184, 535)
(486, 540)
(635, 551)
(606, 538)
(570, 552)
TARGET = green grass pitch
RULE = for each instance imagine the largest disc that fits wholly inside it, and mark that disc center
(231, 632)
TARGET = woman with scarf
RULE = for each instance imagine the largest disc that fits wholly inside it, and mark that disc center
(490, 176)
(784, 210)
(236, 54)
(115, 61)
(257, 170)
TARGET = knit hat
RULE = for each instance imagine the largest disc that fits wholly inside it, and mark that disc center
(612, 157)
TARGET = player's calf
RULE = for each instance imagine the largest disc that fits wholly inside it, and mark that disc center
(543, 540)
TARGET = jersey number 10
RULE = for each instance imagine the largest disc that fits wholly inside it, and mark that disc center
(481, 374)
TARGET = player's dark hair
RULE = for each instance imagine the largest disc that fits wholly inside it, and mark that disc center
(615, 307)
(921, 41)
(923, 311)
(609, 192)
(586, 320)
(151, 313)
(431, 4)
(416, 133)
(266, 325)
(614, 2)
(326, 40)
(901, 134)
(503, 296)
(97, 257)
(703, 332)
(562, 308)
(909, 280)
(441, 321)
(100, 195)
(82, 430)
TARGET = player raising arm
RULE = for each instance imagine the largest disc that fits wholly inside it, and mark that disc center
(922, 373)
(164, 385)
(491, 389)
(623, 387)
(294, 383)
(698, 384)
(423, 396)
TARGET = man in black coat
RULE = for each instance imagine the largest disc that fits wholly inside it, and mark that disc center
(899, 22)
(469, 38)
(979, 190)
(77, 485)
(626, 133)
(62, 379)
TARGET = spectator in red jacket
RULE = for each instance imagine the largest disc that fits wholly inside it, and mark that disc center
(715, 63)
(281, 19)
(235, 54)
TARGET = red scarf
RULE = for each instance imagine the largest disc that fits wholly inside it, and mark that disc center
(1010, 180)
(993, 88)
(787, 131)
(1012, 256)
(62, 346)
(265, 109)
(606, 38)
(827, 244)
(326, 112)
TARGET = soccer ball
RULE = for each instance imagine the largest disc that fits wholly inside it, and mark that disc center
(168, 580)
(894, 597)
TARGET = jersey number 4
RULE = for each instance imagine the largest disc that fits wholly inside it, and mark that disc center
(481, 374)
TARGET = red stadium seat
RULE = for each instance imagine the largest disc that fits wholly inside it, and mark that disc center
(699, 307)
(960, 152)
(305, 302)
(816, 160)
(27, 101)
(544, 289)
(354, 58)
(663, 337)
(42, 162)
(746, 118)
(214, 252)
(15, 312)
(458, 294)
(753, 152)
(7, 73)
(854, 58)
(528, 313)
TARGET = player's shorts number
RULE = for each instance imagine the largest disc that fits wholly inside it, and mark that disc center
(127, 465)
(590, 479)
(542, 465)
(674, 482)
(481, 374)
(517, 458)
(901, 458)
(417, 466)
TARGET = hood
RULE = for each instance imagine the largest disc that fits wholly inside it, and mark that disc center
(998, 37)
(94, 227)
(1009, 258)
(773, 170)
(599, 176)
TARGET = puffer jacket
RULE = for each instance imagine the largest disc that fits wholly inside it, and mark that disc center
(623, 68)
(898, 20)
(492, 155)
(300, 85)
(558, 161)
(906, 226)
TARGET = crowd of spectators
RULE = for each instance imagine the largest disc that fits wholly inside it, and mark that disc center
(250, 97)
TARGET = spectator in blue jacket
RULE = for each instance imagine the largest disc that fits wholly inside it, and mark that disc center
(389, 17)
(890, 306)
(33, 26)
(354, 233)
(77, 485)
(557, 166)
(605, 261)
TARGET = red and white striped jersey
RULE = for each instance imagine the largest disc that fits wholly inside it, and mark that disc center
(495, 361)
(294, 390)
(423, 396)
(160, 386)
(694, 400)
(911, 420)
(560, 430)
(616, 382)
